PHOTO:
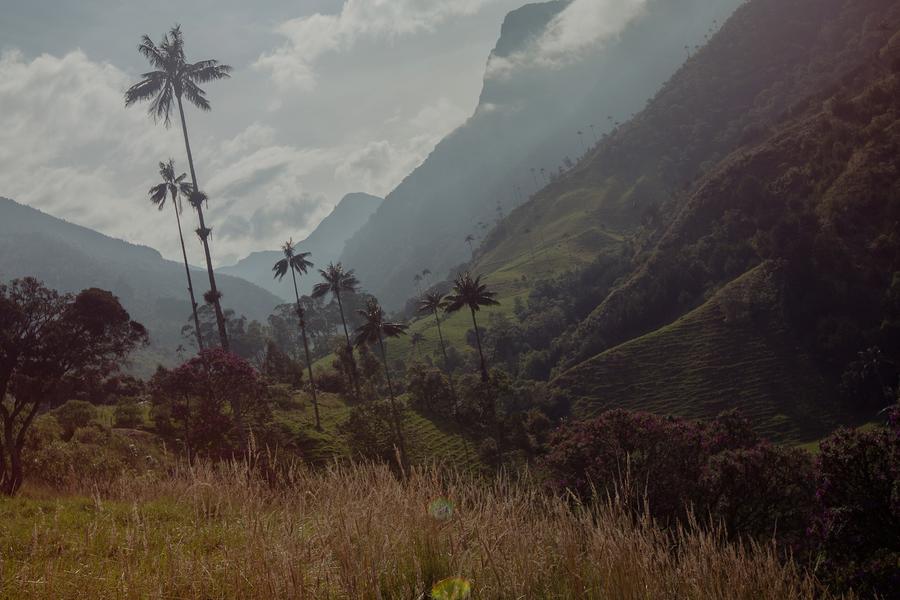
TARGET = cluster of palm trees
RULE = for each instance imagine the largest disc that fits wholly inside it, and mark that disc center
(468, 292)
(172, 80)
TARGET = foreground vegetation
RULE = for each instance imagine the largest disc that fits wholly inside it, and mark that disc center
(239, 530)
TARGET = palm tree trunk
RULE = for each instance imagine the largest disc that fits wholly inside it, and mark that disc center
(312, 382)
(395, 413)
(220, 317)
(437, 320)
(353, 374)
(187, 271)
(484, 373)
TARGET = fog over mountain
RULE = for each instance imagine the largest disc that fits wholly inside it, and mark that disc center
(324, 244)
(546, 80)
(71, 258)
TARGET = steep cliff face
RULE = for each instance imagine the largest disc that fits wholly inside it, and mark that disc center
(525, 127)
(324, 244)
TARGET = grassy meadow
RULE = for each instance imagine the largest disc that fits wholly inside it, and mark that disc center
(362, 532)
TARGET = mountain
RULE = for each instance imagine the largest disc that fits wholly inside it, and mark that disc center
(750, 214)
(70, 258)
(325, 243)
(527, 118)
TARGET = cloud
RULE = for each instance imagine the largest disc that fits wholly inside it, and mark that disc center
(69, 147)
(310, 37)
(582, 26)
(380, 165)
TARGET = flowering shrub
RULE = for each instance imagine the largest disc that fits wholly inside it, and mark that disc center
(719, 469)
(857, 523)
(211, 402)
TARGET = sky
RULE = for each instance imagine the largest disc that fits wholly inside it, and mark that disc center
(327, 97)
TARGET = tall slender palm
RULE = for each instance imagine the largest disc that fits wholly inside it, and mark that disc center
(338, 281)
(470, 292)
(433, 302)
(469, 239)
(415, 340)
(296, 263)
(373, 331)
(173, 78)
(175, 187)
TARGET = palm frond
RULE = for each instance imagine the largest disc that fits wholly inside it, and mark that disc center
(195, 95)
(146, 88)
(280, 269)
(205, 71)
(151, 52)
(158, 195)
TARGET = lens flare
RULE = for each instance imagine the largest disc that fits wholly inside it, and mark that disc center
(452, 588)
(441, 509)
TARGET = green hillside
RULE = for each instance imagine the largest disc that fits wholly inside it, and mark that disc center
(428, 442)
(733, 352)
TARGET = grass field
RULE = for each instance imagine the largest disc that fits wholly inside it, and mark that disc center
(359, 532)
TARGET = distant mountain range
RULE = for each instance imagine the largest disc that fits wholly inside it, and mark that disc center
(70, 258)
(524, 128)
(325, 244)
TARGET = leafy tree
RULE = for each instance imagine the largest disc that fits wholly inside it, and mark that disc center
(74, 415)
(175, 187)
(173, 78)
(214, 397)
(128, 415)
(279, 367)
(857, 524)
(371, 332)
(429, 390)
(470, 292)
(415, 340)
(337, 281)
(296, 263)
(48, 342)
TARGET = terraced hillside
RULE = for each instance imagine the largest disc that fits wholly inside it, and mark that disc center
(733, 352)
(428, 442)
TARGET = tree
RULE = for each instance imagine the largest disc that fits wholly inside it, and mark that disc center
(296, 263)
(469, 239)
(173, 78)
(49, 342)
(337, 281)
(175, 187)
(433, 302)
(414, 341)
(470, 292)
(371, 332)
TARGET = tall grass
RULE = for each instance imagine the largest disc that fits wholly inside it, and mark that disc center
(360, 532)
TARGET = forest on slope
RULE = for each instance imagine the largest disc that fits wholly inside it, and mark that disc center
(775, 142)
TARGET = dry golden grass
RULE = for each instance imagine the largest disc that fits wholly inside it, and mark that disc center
(359, 532)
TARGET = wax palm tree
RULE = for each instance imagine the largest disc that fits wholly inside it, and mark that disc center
(433, 303)
(173, 78)
(415, 340)
(175, 187)
(469, 239)
(337, 281)
(417, 279)
(470, 292)
(296, 263)
(373, 331)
